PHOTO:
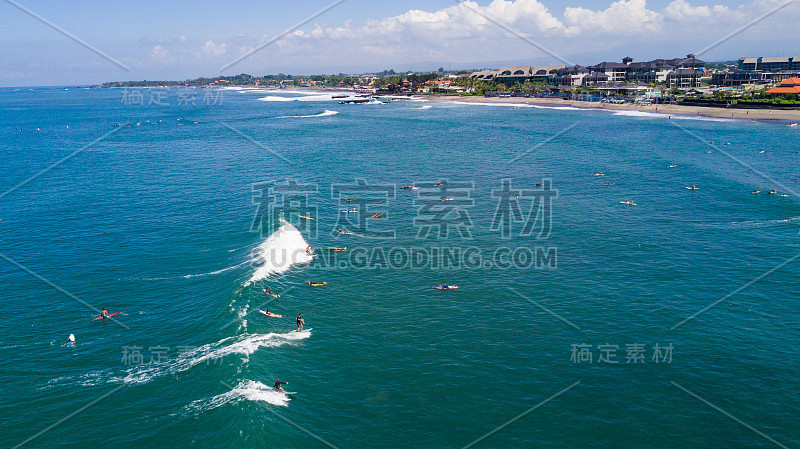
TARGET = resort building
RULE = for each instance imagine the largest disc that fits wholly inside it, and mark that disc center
(485, 75)
(516, 74)
(779, 64)
(770, 69)
(733, 77)
(653, 71)
(684, 78)
(786, 87)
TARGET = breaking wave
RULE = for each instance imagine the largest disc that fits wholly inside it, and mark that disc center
(279, 252)
(321, 114)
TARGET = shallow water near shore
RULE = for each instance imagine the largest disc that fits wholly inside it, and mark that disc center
(173, 218)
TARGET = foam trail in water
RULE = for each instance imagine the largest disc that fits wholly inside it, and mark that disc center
(242, 345)
(188, 276)
(246, 390)
(321, 114)
(284, 248)
(497, 105)
(276, 98)
(647, 114)
(752, 224)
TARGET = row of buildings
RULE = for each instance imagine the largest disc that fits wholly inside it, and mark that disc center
(681, 73)
(758, 70)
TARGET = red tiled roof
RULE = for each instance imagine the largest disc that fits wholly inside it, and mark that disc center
(785, 90)
(789, 86)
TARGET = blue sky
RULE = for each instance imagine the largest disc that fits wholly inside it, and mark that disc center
(181, 39)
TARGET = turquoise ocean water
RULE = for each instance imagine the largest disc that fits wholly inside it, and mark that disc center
(170, 213)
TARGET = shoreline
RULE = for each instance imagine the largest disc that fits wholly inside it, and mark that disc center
(666, 109)
(771, 115)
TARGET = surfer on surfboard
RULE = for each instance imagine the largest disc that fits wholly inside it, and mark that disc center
(300, 323)
(269, 292)
(103, 313)
(278, 386)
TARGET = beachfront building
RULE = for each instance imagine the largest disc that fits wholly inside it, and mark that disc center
(790, 86)
(615, 71)
(584, 77)
(782, 63)
(484, 75)
(684, 78)
(770, 68)
(733, 77)
(657, 70)
(517, 74)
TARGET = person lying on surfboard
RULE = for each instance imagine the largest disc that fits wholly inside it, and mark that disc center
(300, 323)
(278, 386)
(269, 292)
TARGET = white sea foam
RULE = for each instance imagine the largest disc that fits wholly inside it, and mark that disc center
(502, 105)
(323, 97)
(243, 345)
(321, 114)
(279, 252)
(646, 114)
(426, 107)
(276, 98)
(561, 108)
(212, 273)
(751, 224)
(246, 390)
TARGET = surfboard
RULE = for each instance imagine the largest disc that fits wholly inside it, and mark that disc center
(693, 188)
(288, 392)
(109, 316)
(274, 315)
(305, 330)
(449, 287)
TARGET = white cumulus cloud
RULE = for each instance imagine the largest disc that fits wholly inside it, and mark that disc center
(623, 17)
(212, 49)
(160, 52)
(681, 10)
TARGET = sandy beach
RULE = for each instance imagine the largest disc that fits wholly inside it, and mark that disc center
(752, 114)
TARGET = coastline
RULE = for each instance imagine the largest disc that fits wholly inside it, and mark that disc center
(668, 109)
(775, 115)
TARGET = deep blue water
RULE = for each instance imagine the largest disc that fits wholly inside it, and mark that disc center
(155, 213)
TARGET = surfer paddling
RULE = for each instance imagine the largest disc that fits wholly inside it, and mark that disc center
(300, 323)
(278, 386)
(269, 292)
